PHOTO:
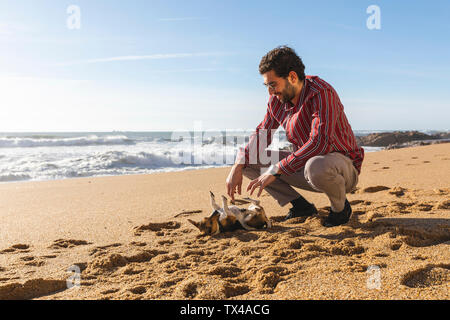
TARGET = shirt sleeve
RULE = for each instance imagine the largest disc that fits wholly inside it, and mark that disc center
(264, 130)
(325, 106)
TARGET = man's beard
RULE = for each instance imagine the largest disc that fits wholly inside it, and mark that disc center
(288, 93)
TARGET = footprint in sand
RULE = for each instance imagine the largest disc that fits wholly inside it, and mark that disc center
(400, 207)
(16, 248)
(268, 278)
(167, 257)
(432, 275)
(163, 242)
(374, 189)
(34, 288)
(157, 227)
(419, 257)
(233, 290)
(443, 205)
(130, 270)
(225, 271)
(49, 256)
(101, 250)
(424, 206)
(169, 283)
(138, 244)
(398, 191)
(27, 258)
(381, 255)
(109, 291)
(35, 263)
(68, 243)
(138, 290)
(346, 248)
(295, 244)
(395, 245)
(112, 261)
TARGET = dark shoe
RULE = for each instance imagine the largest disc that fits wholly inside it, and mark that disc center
(337, 218)
(295, 212)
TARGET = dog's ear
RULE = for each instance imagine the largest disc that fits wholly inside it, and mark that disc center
(216, 213)
(212, 194)
(194, 223)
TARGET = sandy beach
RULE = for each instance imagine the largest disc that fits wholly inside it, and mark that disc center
(122, 234)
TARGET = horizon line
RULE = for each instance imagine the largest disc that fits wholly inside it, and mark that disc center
(214, 130)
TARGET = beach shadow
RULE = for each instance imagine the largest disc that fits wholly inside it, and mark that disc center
(416, 232)
(247, 236)
(241, 235)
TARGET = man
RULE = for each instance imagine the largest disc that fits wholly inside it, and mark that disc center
(326, 157)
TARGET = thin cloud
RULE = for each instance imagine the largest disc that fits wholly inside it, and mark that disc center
(181, 19)
(189, 70)
(144, 57)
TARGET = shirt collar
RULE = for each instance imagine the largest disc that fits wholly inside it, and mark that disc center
(289, 106)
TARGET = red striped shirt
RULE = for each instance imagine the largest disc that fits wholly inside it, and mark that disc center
(317, 125)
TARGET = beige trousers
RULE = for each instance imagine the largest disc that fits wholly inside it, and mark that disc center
(332, 174)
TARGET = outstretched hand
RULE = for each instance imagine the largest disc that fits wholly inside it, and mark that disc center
(262, 181)
(234, 182)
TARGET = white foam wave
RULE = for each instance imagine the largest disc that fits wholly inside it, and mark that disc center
(13, 177)
(91, 140)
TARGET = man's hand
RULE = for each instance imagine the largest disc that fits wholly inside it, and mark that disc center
(234, 181)
(262, 181)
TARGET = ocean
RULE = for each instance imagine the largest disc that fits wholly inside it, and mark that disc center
(37, 156)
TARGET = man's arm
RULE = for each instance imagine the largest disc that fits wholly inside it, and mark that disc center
(326, 108)
(234, 179)
(263, 131)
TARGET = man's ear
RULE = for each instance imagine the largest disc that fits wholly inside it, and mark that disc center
(293, 77)
(194, 223)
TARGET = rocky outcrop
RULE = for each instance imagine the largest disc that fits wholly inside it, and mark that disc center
(400, 139)
(385, 139)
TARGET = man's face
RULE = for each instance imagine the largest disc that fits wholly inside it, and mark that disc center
(280, 87)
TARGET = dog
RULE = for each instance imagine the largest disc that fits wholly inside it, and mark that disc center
(232, 218)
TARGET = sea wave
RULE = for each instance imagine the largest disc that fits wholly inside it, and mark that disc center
(145, 160)
(14, 177)
(110, 162)
(48, 141)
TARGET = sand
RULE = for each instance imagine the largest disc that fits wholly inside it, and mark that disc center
(129, 238)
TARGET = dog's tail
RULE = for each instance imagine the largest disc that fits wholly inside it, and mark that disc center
(255, 202)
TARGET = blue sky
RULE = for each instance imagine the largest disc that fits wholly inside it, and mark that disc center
(163, 65)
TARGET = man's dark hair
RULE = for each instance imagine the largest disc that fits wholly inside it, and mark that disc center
(282, 60)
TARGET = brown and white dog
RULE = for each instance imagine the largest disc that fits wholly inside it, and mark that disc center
(230, 218)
